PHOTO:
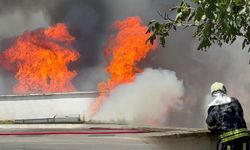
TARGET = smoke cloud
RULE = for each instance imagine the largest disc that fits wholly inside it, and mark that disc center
(150, 99)
(18, 16)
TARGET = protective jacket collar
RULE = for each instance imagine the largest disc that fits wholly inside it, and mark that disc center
(219, 99)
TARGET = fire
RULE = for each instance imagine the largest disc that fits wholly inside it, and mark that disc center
(40, 60)
(124, 51)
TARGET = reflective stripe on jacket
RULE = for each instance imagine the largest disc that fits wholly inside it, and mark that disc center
(233, 134)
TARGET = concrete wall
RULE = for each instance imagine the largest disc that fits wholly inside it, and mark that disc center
(182, 139)
(37, 106)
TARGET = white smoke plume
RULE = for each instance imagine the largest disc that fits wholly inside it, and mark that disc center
(150, 99)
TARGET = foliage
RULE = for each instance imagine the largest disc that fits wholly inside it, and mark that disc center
(215, 22)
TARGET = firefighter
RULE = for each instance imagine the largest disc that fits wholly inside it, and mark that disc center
(225, 117)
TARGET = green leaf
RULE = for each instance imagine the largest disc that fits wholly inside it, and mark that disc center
(199, 14)
(182, 2)
(157, 26)
(152, 38)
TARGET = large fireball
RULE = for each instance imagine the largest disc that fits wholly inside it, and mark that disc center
(40, 60)
(124, 51)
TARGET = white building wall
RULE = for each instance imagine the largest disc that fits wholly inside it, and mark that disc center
(45, 106)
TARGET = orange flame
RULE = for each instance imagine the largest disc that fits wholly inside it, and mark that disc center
(125, 49)
(40, 59)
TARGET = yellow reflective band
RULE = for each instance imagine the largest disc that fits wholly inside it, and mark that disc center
(233, 132)
(234, 137)
(211, 127)
(228, 147)
(244, 146)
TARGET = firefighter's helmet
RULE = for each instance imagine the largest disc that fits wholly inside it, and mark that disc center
(217, 86)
